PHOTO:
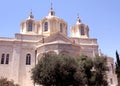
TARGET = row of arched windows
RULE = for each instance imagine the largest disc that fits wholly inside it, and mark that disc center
(46, 26)
(30, 26)
(4, 59)
(81, 30)
(28, 56)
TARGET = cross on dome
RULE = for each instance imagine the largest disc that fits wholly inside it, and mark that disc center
(51, 7)
(51, 12)
(78, 19)
(31, 15)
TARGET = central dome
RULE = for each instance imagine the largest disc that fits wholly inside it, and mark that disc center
(52, 24)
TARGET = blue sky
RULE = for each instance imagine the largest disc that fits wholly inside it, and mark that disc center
(102, 17)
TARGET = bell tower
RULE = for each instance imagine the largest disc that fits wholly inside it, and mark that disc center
(79, 30)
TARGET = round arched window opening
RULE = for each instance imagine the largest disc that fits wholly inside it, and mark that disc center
(61, 27)
(46, 26)
(29, 26)
(28, 59)
(82, 30)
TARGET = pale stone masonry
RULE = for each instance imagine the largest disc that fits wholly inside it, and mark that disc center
(20, 54)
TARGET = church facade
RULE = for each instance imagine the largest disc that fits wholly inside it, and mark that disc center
(20, 54)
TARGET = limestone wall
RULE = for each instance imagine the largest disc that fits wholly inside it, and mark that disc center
(5, 69)
(111, 75)
(25, 70)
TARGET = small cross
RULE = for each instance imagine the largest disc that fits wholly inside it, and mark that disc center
(51, 6)
(78, 15)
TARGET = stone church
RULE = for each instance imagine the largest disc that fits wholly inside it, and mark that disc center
(19, 54)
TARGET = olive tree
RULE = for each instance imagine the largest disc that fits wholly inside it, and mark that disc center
(57, 70)
(65, 70)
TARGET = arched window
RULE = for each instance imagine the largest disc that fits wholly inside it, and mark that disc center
(82, 31)
(29, 26)
(7, 59)
(111, 80)
(60, 27)
(46, 26)
(112, 68)
(28, 59)
(3, 59)
(52, 13)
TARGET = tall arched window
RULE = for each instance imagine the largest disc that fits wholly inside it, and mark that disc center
(111, 80)
(82, 31)
(7, 59)
(29, 26)
(46, 26)
(3, 59)
(28, 59)
(60, 27)
(112, 67)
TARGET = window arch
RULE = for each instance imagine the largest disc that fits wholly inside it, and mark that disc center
(52, 12)
(111, 80)
(30, 26)
(28, 59)
(3, 59)
(7, 59)
(60, 27)
(112, 67)
(46, 26)
(82, 31)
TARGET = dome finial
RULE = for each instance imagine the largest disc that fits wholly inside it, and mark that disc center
(51, 6)
(78, 19)
(51, 12)
(77, 15)
(31, 15)
(31, 11)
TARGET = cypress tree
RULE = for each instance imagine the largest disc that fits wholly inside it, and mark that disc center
(118, 67)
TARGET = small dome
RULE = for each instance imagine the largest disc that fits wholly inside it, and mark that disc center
(79, 30)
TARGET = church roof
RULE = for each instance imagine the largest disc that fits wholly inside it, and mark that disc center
(56, 37)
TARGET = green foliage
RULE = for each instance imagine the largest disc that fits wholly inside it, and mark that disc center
(118, 67)
(64, 70)
(57, 70)
(99, 77)
(86, 64)
(5, 82)
(94, 70)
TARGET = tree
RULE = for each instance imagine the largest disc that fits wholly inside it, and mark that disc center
(118, 67)
(86, 64)
(64, 70)
(5, 82)
(57, 70)
(93, 70)
(99, 77)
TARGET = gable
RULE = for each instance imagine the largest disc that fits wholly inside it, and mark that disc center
(57, 37)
